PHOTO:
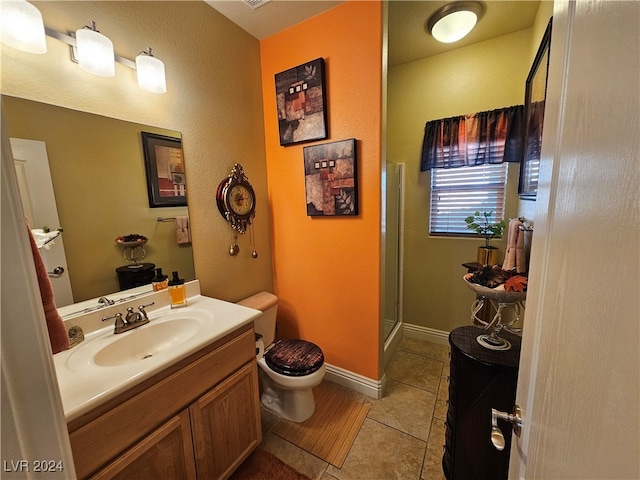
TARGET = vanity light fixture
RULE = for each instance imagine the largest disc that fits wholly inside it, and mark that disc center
(22, 26)
(455, 20)
(23, 29)
(150, 72)
(95, 52)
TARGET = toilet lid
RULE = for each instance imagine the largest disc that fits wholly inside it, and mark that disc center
(294, 358)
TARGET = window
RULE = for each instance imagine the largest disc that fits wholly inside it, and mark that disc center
(457, 193)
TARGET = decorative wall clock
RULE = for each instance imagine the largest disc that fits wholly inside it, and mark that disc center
(236, 202)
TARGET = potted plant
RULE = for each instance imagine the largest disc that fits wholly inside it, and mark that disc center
(482, 225)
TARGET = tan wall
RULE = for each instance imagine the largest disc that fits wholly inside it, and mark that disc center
(214, 99)
(480, 77)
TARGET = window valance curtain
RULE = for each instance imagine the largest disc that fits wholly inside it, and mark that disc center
(485, 137)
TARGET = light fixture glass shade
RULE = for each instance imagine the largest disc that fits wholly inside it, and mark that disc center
(455, 20)
(150, 73)
(22, 26)
(454, 26)
(95, 53)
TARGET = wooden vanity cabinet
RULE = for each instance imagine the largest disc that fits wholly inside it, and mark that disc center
(165, 453)
(199, 419)
(222, 436)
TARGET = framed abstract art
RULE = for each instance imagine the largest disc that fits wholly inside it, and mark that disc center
(301, 103)
(330, 174)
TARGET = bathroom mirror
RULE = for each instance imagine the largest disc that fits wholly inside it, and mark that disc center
(535, 98)
(100, 188)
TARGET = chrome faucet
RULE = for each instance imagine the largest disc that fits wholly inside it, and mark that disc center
(104, 301)
(131, 320)
(132, 317)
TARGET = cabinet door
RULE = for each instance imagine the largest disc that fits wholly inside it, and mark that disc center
(166, 453)
(226, 424)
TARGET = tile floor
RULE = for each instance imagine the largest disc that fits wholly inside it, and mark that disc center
(403, 434)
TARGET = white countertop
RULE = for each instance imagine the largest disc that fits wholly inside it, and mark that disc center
(84, 384)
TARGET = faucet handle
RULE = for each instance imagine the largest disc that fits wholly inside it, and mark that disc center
(119, 320)
(143, 311)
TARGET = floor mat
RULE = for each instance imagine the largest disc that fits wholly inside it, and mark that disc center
(262, 465)
(330, 432)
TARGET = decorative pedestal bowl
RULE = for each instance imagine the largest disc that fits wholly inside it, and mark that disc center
(501, 300)
(133, 251)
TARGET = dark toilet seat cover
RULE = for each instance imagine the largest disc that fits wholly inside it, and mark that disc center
(294, 358)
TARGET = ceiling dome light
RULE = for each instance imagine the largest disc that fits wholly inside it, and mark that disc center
(454, 21)
(22, 27)
(150, 72)
(95, 52)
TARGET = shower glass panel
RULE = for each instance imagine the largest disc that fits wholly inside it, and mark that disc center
(393, 261)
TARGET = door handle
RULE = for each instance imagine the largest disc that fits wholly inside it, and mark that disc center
(515, 418)
(57, 272)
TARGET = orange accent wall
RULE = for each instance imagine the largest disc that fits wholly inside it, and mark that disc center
(327, 270)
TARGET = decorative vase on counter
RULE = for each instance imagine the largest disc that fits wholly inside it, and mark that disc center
(488, 255)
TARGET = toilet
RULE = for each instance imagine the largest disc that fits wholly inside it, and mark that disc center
(289, 369)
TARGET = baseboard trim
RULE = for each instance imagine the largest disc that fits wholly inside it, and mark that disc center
(358, 383)
(425, 333)
(376, 388)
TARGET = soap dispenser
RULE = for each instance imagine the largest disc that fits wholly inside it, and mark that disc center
(177, 291)
(160, 281)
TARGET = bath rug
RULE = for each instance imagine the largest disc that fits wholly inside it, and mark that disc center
(262, 465)
(331, 430)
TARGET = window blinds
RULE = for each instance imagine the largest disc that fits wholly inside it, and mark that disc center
(457, 193)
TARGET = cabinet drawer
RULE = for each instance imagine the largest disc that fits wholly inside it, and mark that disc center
(104, 437)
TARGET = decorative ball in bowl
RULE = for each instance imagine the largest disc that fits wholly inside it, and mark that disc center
(131, 240)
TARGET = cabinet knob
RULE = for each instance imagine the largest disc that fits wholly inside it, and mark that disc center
(515, 418)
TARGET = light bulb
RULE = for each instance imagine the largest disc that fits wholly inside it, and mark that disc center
(22, 27)
(150, 72)
(95, 52)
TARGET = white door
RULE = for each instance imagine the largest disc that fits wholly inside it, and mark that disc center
(39, 203)
(580, 368)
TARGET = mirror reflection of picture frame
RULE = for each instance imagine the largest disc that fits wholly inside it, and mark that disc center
(164, 164)
(534, 103)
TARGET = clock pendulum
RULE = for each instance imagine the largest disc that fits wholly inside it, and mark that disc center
(236, 202)
(252, 241)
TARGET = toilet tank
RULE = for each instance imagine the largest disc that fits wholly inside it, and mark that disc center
(265, 325)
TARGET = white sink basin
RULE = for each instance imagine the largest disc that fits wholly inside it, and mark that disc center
(144, 343)
(161, 335)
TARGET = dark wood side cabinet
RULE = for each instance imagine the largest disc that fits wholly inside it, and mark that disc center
(131, 276)
(480, 379)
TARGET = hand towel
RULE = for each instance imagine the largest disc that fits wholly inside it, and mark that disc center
(183, 232)
(57, 333)
(521, 254)
(513, 234)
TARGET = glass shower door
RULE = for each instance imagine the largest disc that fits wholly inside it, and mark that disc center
(393, 235)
